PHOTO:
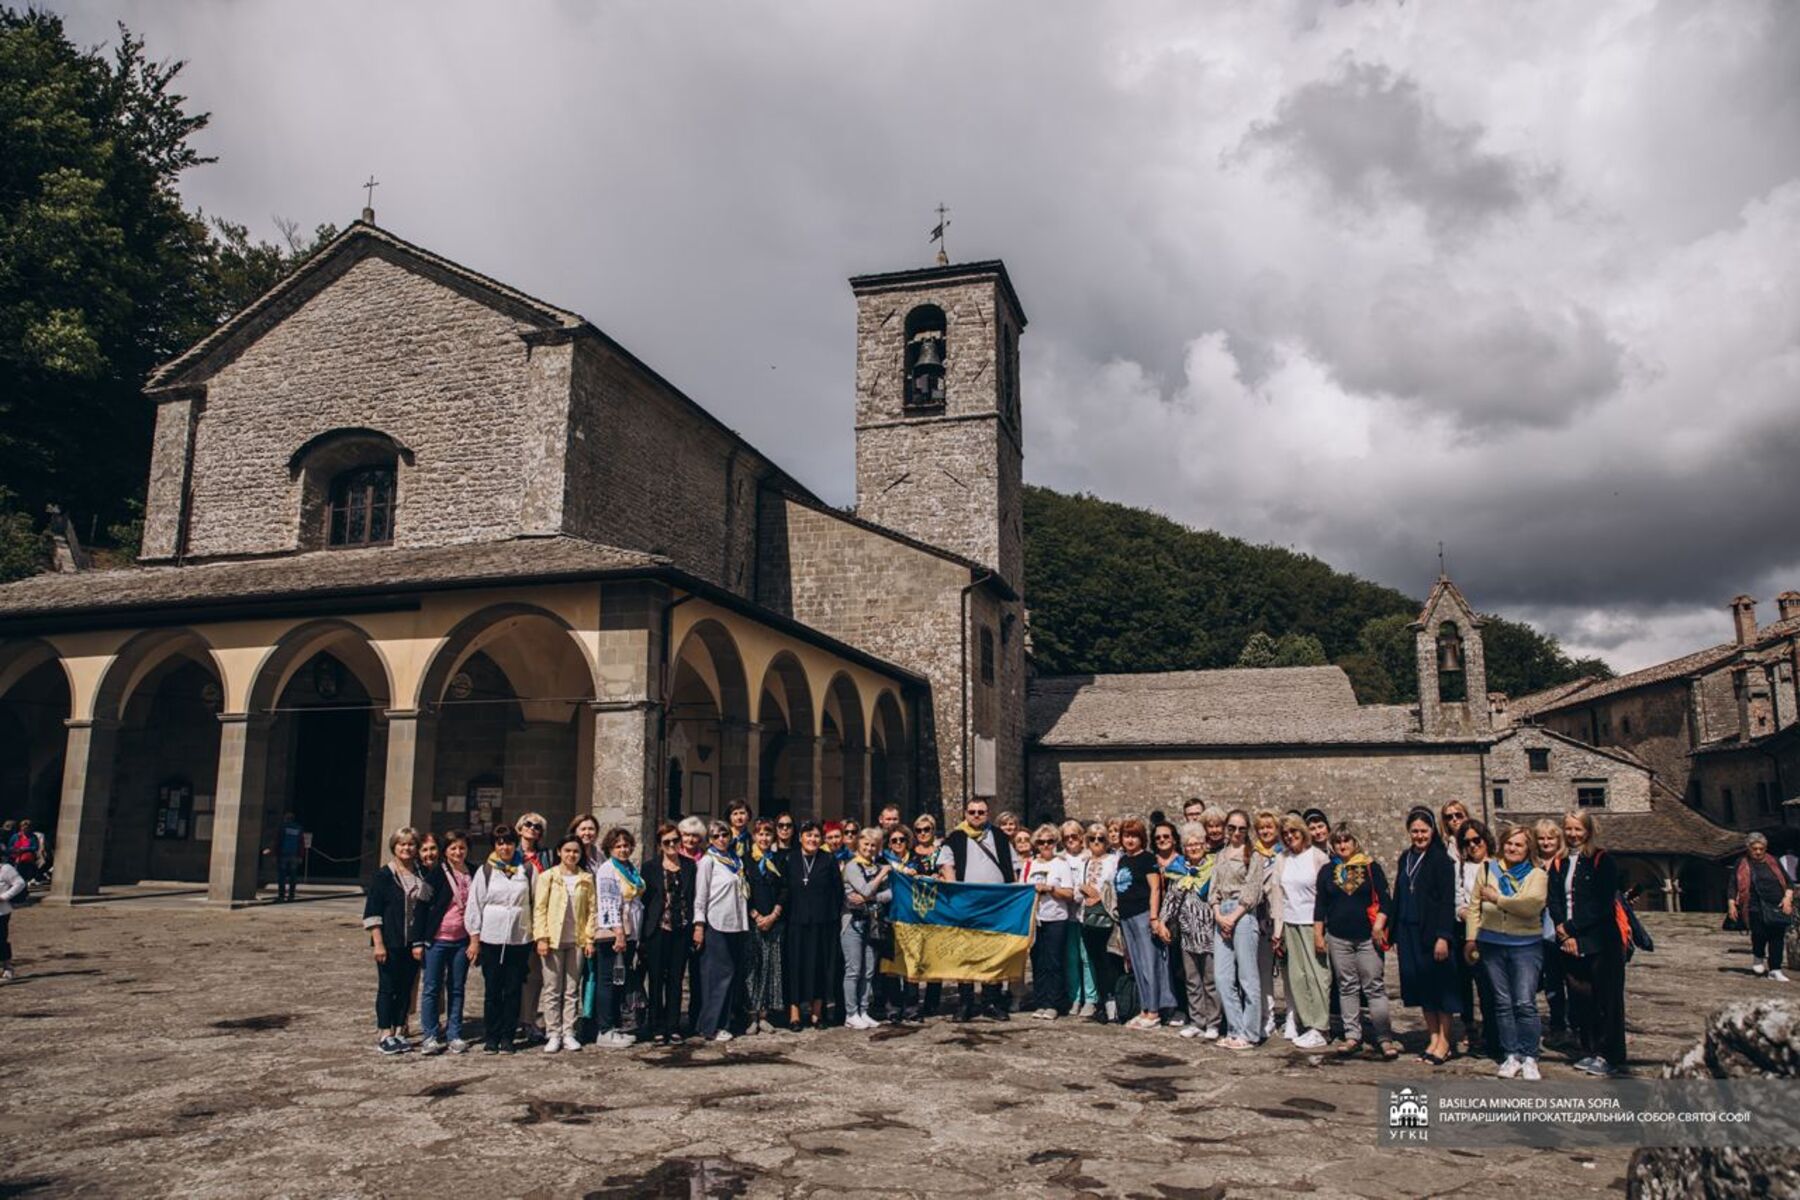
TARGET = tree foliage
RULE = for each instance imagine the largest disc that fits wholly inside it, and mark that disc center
(1114, 588)
(103, 273)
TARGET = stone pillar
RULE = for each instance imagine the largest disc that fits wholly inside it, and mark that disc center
(627, 770)
(411, 767)
(80, 846)
(740, 764)
(1672, 880)
(856, 784)
(805, 780)
(237, 840)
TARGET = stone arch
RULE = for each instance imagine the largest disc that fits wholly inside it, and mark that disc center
(843, 747)
(890, 758)
(788, 758)
(36, 698)
(143, 654)
(707, 728)
(348, 643)
(513, 739)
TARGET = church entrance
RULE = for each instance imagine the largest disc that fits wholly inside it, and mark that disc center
(330, 788)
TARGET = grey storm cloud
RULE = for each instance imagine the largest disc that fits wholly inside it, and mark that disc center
(1352, 278)
(1369, 135)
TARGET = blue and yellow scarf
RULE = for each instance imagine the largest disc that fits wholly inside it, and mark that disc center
(1510, 879)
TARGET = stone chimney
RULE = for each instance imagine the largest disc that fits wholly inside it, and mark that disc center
(1497, 713)
(1743, 619)
(1740, 690)
(1790, 604)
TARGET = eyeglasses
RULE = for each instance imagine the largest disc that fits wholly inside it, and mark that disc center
(1472, 842)
(1165, 837)
(1096, 837)
(898, 839)
(1237, 829)
(671, 841)
(923, 828)
(1044, 842)
(531, 824)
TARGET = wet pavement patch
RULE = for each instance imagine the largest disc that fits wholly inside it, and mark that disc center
(1044, 1156)
(684, 1056)
(1310, 1105)
(34, 1016)
(1157, 1089)
(261, 1024)
(448, 1088)
(1175, 1192)
(1281, 1114)
(561, 1112)
(1150, 1061)
(679, 1179)
(895, 1031)
(26, 1187)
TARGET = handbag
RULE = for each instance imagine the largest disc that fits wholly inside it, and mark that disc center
(1772, 916)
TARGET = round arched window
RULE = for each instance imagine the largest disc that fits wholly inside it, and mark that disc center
(360, 511)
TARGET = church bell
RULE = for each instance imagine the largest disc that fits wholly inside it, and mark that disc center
(931, 355)
(1450, 653)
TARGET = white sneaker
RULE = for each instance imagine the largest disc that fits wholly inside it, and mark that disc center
(552, 1044)
(1312, 1039)
(1528, 1069)
(1210, 1033)
(571, 1043)
(1758, 967)
(1510, 1068)
(1086, 1010)
(1290, 1030)
(857, 1020)
(6, 975)
(724, 1035)
(1192, 1031)
(1777, 976)
(1045, 1014)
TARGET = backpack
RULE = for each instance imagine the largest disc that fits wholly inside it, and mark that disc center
(1125, 996)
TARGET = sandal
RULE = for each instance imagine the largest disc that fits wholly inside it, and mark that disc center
(1436, 1060)
(1349, 1049)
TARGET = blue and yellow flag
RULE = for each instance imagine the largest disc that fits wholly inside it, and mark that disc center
(980, 932)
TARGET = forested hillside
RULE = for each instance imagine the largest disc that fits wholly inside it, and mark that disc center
(1115, 588)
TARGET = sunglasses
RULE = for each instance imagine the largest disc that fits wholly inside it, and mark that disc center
(784, 824)
(671, 841)
(1474, 841)
(1237, 829)
(1096, 837)
(923, 828)
(1165, 837)
(531, 824)
(1044, 842)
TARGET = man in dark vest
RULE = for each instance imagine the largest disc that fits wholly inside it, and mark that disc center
(976, 853)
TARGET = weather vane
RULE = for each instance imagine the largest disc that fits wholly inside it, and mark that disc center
(368, 213)
(937, 235)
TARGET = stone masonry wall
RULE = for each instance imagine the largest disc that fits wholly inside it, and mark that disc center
(1371, 788)
(1553, 790)
(379, 347)
(648, 472)
(1650, 722)
(888, 599)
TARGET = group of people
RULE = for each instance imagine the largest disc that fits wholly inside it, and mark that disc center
(24, 863)
(778, 923)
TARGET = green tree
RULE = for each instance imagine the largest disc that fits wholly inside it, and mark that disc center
(1368, 678)
(1299, 650)
(1259, 651)
(24, 548)
(1388, 642)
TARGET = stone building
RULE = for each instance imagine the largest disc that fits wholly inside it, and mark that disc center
(422, 549)
(1293, 738)
(1720, 726)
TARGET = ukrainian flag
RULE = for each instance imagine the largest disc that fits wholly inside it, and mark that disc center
(979, 932)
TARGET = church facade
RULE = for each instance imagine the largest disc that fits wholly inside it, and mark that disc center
(421, 549)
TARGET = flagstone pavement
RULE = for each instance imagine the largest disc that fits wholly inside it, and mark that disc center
(155, 1046)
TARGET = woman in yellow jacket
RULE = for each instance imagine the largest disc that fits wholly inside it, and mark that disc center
(562, 922)
(1505, 935)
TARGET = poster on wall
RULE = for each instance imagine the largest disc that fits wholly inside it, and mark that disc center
(202, 826)
(174, 810)
(700, 793)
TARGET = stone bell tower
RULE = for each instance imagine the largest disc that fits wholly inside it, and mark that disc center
(938, 441)
(1452, 664)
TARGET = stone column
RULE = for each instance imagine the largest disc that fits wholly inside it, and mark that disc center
(805, 779)
(237, 840)
(740, 764)
(411, 767)
(627, 771)
(1672, 879)
(80, 846)
(856, 784)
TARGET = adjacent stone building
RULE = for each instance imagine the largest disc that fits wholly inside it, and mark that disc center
(421, 549)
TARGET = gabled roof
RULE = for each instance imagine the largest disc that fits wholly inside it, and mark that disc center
(1617, 753)
(356, 242)
(1670, 827)
(1276, 706)
(1445, 591)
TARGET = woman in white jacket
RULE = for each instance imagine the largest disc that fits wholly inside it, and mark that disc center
(12, 886)
(721, 929)
(498, 917)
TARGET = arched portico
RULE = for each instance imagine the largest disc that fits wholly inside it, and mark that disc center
(711, 746)
(843, 748)
(890, 763)
(788, 759)
(34, 705)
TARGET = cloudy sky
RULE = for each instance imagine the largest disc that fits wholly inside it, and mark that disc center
(1353, 278)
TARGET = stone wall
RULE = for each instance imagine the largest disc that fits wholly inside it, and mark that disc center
(648, 471)
(1569, 767)
(1651, 722)
(381, 347)
(1743, 773)
(1372, 788)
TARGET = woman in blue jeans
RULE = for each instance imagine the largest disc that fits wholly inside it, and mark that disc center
(441, 941)
(1505, 936)
(1239, 880)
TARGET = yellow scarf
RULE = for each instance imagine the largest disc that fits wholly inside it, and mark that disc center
(1265, 851)
(860, 861)
(502, 864)
(1351, 872)
(973, 832)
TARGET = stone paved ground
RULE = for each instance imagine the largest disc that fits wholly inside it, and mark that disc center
(158, 1047)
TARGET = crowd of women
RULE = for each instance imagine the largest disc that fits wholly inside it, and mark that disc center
(1226, 925)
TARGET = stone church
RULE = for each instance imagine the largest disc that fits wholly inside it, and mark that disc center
(421, 549)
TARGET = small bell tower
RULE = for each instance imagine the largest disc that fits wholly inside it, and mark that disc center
(938, 440)
(1453, 696)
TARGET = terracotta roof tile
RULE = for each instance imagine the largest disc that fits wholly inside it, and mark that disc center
(1670, 827)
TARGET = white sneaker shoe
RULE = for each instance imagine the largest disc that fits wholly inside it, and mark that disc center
(1312, 1039)
(1289, 1029)
(552, 1044)
(724, 1035)
(1777, 976)
(1045, 1014)
(1758, 967)
(1528, 1069)
(1086, 1010)
(1191, 1031)
(571, 1043)
(1210, 1033)
(1510, 1068)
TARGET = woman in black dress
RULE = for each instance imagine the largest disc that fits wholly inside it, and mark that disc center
(1425, 931)
(815, 897)
(666, 932)
(767, 870)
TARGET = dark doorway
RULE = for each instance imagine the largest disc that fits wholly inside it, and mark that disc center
(331, 750)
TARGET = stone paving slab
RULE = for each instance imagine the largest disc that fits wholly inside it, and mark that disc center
(163, 1047)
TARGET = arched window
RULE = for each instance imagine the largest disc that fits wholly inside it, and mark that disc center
(360, 511)
(925, 345)
(349, 488)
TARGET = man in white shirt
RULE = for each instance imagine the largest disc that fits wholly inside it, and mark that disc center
(974, 852)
